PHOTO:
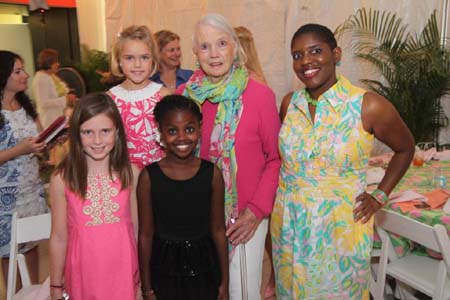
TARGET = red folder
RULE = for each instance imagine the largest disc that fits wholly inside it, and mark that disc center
(52, 130)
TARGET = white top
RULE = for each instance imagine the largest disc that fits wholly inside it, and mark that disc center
(133, 96)
(48, 103)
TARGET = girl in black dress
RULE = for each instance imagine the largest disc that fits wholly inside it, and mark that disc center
(182, 245)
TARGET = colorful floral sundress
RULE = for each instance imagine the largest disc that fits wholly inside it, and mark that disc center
(319, 251)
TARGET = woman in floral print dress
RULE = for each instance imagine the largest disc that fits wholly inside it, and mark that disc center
(321, 224)
(21, 189)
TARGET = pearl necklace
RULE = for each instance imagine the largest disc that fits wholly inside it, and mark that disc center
(310, 100)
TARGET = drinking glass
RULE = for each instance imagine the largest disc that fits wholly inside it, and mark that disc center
(418, 158)
(426, 145)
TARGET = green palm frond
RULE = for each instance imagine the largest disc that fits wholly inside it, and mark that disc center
(375, 29)
(415, 68)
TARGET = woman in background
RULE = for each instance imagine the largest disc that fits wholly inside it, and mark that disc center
(239, 133)
(169, 72)
(21, 189)
(255, 72)
(49, 91)
(253, 65)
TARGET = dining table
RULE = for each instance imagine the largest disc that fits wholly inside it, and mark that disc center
(432, 180)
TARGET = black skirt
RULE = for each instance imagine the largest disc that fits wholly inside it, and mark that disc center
(185, 269)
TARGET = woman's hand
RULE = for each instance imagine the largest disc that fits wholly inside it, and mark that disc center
(365, 207)
(149, 297)
(30, 145)
(244, 228)
(223, 292)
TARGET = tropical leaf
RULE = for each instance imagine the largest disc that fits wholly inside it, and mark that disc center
(415, 68)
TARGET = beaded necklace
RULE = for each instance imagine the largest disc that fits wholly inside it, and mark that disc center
(310, 100)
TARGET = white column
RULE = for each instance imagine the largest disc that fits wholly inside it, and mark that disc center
(91, 24)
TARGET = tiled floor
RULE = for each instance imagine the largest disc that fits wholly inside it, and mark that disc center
(44, 271)
(44, 267)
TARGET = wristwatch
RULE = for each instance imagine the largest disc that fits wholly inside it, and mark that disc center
(64, 296)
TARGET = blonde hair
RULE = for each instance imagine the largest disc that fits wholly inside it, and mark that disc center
(163, 37)
(219, 22)
(133, 33)
(248, 44)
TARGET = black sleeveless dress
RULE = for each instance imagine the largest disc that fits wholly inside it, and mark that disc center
(184, 262)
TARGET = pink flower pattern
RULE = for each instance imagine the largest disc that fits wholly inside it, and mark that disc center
(136, 109)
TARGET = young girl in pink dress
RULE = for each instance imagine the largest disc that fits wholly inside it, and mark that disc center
(93, 251)
(135, 58)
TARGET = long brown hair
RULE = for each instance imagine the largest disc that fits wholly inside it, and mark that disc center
(7, 61)
(74, 166)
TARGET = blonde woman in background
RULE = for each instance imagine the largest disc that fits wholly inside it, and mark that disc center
(169, 72)
(255, 71)
(253, 65)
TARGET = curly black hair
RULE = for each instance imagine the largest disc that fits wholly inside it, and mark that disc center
(323, 33)
(175, 102)
(7, 61)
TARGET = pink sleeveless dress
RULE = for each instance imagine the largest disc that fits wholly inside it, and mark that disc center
(101, 260)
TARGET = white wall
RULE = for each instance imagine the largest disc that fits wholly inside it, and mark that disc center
(272, 22)
(91, 23)
(21, 46)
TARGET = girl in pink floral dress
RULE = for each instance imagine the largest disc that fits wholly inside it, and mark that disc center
(135, 58)
(93, 253)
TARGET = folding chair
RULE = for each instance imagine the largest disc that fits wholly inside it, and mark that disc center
(425, 274)
(24, 230)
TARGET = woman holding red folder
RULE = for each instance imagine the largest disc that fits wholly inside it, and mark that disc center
(21, 188)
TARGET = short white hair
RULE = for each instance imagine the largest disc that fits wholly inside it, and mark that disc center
(219, 22)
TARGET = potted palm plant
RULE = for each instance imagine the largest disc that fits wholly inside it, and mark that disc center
(415, 68)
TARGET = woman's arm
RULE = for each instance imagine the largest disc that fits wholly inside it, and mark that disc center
(25, 146)
(284, 106)
(58, 235)
(381, 118)
(145, 235)
(218, 230)
(261, 203)
(133, 200)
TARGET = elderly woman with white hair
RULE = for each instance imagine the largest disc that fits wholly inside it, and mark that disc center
(239, 133)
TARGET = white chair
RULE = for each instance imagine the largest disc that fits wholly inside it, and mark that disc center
(375, 257)
(25, 230)
(422, 273)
